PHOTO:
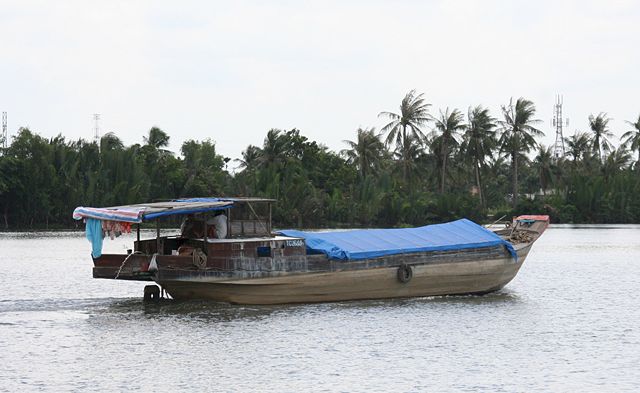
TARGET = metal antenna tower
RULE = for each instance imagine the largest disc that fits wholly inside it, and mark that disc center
(558, 123)
(4, 130)
(96, 128)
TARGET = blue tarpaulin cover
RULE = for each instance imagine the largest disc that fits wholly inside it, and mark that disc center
(371, 243)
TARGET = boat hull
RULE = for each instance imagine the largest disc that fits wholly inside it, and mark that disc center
(428, 279)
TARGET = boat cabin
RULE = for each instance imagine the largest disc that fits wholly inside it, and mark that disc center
(244, 218)
(215, 233)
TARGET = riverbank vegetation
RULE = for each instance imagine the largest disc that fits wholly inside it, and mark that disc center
(420, 167)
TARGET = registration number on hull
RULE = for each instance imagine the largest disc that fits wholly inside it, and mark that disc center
(294, 243)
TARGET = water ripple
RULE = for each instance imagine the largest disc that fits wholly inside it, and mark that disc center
(567, 322)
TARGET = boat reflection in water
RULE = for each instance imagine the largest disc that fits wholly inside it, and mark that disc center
(227, 252)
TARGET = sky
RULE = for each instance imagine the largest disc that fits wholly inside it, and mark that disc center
(232, 70)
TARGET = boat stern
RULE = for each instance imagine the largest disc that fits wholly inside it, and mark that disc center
(123, 267)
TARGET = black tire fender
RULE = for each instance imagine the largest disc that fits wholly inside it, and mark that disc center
(151, 293)
(405, 273)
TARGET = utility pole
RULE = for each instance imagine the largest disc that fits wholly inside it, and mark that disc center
(4, 130)
(96, 128)
(558, 123)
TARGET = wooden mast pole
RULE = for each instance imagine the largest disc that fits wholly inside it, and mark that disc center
(137, 245)
(269, 228)
(204, 236)
(158, 236)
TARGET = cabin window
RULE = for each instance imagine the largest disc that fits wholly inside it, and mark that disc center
(264, 251)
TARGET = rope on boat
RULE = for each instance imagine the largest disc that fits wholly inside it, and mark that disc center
(125, 261)
(521, 237)
(199, 259)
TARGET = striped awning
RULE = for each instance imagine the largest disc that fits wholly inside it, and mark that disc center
(149, 211)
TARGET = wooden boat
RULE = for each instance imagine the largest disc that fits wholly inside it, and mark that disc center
(252, 265)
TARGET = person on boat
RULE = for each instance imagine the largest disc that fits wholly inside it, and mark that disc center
(192, 228)
(219, 222)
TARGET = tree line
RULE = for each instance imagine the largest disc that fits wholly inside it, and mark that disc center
(419, 168)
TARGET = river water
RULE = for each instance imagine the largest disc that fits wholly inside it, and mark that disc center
(568, 322)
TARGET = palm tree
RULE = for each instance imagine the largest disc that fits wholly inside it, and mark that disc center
(578, 145)
(599, 126)
(366, 152)
(274, 149)
(156, 138)
(250, 158)
(631, 138)
(518, 134)
(479, 141)
(544, 164)
(617, 160)
(448, 125)
(248, 163)
(414, 113)
(110, 141)
(409, 154)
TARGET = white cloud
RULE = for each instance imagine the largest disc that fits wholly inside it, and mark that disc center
(232, 70)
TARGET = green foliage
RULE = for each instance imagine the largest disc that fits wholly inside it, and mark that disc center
(42, 181)
(483, 162)
(599, 126)
(447, 127)
(202, 170)
(404, 130)
(479, 141)
(631, 138)
(367, 153)
(518, 136)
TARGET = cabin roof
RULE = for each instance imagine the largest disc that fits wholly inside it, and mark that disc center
(137, 213)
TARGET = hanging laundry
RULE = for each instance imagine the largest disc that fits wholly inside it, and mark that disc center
(114, 229)
(95, 235)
